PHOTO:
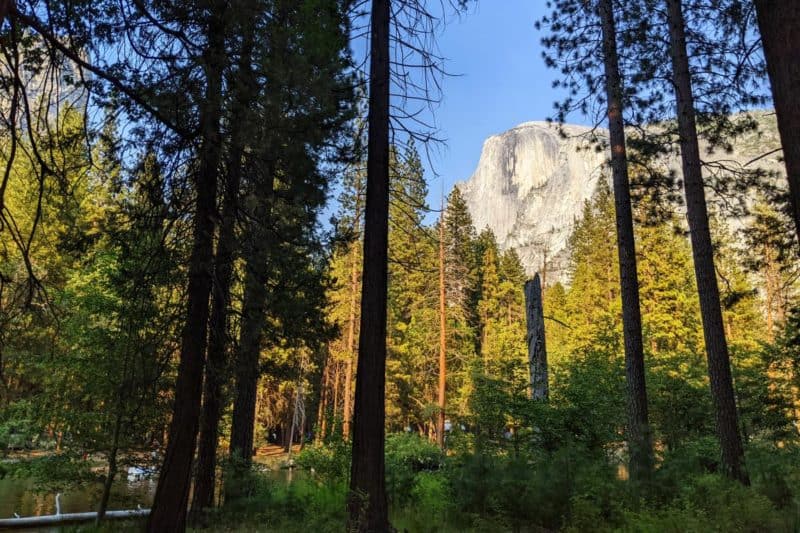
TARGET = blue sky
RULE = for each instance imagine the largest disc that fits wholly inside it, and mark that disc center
(498, 81)
(503, 81)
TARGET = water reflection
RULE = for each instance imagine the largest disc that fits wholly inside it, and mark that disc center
(23, 497)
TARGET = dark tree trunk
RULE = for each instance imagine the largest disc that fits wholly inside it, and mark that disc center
(779, 22)
(216, 364)
(252, 323)
(168, 513)
(367, 505)
(112, 470)
(719, 369)
(203, 494)
(639, 442)
(537, 349)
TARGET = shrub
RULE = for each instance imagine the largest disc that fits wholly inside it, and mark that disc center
(711, 503)
(406, 456)
(330, 462)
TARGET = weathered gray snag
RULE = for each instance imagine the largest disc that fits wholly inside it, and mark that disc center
(537, 351)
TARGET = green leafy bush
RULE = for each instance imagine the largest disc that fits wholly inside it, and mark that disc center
(712, 503)
(330, 462)
(407, 455)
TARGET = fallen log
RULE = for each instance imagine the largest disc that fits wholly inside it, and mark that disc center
(66, 518)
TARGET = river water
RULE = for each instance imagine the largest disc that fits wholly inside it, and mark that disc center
(23, 497)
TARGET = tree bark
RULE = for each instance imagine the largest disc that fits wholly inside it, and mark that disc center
(779, 23)
(442, 341)
(252, 324)
(337, 384)
(351, 338)
(537, 349)
(367, 505)
(216, 363)
(168, 512)
(322, 408)
(112, 469)
(719, 369)
(639, 443)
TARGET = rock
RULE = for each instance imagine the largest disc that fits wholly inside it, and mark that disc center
(531, 185)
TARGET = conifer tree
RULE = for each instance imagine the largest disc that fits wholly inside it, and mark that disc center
(779, 25)
(306, 63)
(462, 258)
(593, 298)
(367, 505)
(412, 319)
(168, 512)
(216, 361)
(638, 430)
(352, 201)
(442, 396)
(697, 215)
(769, 253)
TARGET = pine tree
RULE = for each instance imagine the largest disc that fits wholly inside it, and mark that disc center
(769, 253)
(670, 309)
(347, 293)
(462, 292)
(593, 299)
(502, 316)
(283, 284)
(697, 214)
(218, 347)
(638, 430)
(168, 512)
(779, 25)
(367, 503)
(412, 320)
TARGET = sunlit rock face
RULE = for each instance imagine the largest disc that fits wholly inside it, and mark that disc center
(531, 184)
(530, 187)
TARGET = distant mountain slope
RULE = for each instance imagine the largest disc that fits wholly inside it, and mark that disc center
(531, 184)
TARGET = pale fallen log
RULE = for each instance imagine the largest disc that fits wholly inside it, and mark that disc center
(66, 518)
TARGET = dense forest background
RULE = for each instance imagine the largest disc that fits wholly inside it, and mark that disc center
(173, 298)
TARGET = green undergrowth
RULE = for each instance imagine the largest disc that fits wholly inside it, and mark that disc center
(568, 489)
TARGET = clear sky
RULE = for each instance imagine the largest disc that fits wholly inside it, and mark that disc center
(503, 82)
(498, 81)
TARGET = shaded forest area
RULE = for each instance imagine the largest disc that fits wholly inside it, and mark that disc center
(173, 299)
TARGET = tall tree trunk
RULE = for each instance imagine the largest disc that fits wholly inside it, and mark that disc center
(779, 23)
(337, 385)
(168, 512)
(367, 505)
(719, 369)
(252, 324)
(322, 408)
(203, 494)
(351, 345)
(639, 442)
(537, 350)
(442, 341)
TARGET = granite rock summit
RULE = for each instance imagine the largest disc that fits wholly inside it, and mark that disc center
(531, 184)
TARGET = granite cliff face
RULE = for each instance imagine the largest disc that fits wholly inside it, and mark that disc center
(530, 187)
(531, 184)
